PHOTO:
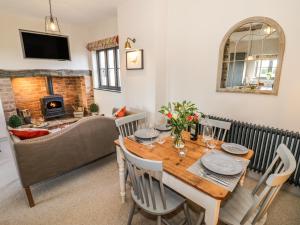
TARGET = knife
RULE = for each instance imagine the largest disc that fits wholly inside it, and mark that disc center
(134, 139)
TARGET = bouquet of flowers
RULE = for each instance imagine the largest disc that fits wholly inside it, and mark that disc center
(180, 116)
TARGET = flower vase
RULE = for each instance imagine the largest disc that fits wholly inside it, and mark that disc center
(178, 140)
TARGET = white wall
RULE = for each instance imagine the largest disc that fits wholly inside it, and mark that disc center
(192, 47)
(141, 20)
(103, 28)
(11, 55)
(181, 42)
(105, 99)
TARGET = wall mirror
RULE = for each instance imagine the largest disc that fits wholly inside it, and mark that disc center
(251, 55)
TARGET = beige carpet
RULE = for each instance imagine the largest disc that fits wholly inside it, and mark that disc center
(90, 196)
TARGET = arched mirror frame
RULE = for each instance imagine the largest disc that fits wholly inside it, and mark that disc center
(256, 19)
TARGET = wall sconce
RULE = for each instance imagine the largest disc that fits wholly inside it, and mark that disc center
(127, 43)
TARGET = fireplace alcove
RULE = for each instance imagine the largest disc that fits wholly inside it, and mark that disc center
(20, 90)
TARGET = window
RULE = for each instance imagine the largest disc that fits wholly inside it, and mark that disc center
(108, 63)
(266, 68)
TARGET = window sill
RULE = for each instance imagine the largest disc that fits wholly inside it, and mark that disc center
(109, 90)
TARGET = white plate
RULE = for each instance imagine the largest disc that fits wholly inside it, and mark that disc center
(146, 133)
(234, 148)
(163, 127)
(221, 163)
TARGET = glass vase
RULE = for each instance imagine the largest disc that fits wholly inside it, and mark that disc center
(178, 140)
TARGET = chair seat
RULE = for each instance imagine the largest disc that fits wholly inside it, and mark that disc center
(173, 200)
(236, 207)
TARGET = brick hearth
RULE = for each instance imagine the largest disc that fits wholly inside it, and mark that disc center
(7, 97)
(25, 92)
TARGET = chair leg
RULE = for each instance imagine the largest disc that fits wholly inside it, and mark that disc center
(29, 196)
(200, 219)
(131, 213)
(126, 175)
(158, 220)
(164, 221)
(187, 214)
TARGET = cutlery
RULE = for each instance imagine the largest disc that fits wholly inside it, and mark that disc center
(213, 177)
(134, 139)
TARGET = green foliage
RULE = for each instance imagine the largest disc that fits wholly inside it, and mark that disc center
(14, 121)
(94, 107)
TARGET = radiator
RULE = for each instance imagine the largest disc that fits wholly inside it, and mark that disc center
(264, 142)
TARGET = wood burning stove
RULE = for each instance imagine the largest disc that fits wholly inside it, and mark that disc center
(52, 105)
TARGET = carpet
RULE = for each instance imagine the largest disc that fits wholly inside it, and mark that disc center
(90, 196)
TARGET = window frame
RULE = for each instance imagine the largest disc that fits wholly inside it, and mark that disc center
(108, 87)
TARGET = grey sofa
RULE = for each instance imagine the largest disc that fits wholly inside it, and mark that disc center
(49, 156)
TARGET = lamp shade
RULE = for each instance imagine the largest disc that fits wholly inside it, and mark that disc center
(51, 24)
(127, 45)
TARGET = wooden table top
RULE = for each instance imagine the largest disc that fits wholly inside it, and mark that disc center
(178, 166)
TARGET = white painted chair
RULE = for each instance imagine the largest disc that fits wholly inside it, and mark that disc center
(246, 207)
(148, 192)
(220, 128)
(129, 124)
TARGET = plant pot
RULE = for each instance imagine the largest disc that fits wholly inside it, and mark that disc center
(95, 113)
(78, 114)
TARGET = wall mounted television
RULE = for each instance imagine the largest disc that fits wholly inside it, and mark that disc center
(38, 45)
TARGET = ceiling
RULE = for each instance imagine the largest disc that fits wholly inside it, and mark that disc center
(70, 11)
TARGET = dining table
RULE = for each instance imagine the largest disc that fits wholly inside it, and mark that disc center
(176, 174)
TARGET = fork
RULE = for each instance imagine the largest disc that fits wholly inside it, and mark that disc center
(213, 177)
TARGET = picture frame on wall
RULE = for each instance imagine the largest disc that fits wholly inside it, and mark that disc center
(135, 59)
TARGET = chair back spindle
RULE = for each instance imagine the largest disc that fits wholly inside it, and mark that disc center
(143, 174)
(220, 128)
(129, 124)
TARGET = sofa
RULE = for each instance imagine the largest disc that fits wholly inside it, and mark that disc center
(82, 142)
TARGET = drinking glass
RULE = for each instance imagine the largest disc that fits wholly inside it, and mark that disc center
(151, 133)
(208, 134)
(141, 125)
(160, 122)
(182, 152)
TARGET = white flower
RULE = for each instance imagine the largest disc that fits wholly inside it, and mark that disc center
(175, 115)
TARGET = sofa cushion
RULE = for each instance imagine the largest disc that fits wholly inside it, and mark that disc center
(121, 112)
(29, 133)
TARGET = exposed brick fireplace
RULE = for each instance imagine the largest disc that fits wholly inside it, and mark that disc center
(25, 90)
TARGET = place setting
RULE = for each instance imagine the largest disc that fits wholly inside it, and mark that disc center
(148, 134)
(220, 167)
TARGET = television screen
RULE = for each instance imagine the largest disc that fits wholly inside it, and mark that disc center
(45, 46)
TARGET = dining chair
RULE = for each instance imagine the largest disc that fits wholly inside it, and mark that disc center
(129, 124)
(148, 192)
(220, 128)
(246, 207)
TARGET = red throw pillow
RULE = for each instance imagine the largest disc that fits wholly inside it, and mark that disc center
(121, 112)
(27, 134)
